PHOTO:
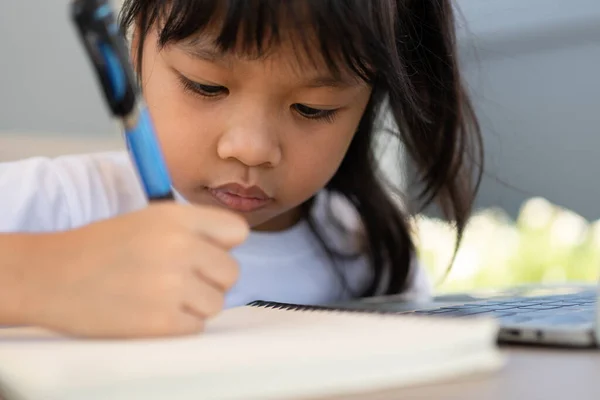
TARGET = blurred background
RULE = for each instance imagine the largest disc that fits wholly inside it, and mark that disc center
(530, 65)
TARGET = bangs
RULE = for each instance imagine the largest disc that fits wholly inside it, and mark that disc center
(344, 35)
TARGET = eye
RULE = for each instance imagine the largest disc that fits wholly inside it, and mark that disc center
(314, 113)
(202, 89)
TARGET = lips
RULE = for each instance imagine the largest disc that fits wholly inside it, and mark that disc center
(240, 198)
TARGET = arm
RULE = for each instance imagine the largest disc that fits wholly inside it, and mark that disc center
(76, 258)
(21, 256)
(34, 205)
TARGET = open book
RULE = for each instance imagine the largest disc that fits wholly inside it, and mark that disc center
(261, 351)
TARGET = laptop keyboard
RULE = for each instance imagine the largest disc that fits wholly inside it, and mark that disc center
(556, 310)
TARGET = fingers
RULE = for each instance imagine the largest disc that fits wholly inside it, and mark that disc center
(220, 226)
(202, 300)
(190, 322)
(214, 273)
(223, 227)
(215, 265)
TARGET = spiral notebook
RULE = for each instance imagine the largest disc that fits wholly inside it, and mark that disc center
(260, 351)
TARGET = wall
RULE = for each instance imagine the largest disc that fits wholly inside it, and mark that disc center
(46, 81)
(532, 67)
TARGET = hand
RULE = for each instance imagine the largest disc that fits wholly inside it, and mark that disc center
(157, 272)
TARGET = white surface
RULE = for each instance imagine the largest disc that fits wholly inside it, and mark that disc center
(250, 353)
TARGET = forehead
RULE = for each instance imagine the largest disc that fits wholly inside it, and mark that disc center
(290, 55)
(315, 34)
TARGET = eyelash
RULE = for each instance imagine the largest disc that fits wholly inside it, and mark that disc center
(316, 113)
(210, 92)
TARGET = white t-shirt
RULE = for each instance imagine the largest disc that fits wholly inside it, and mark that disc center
(45, 195)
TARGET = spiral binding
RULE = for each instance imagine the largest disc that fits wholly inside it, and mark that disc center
(312, 308)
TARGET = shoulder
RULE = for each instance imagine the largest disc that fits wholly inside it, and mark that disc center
(46, 194)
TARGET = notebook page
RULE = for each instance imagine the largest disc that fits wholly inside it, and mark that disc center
(237, 341)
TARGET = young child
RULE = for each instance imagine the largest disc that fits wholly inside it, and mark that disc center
(266, 112)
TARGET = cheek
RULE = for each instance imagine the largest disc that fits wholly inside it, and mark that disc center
(317, 151)
(182, 128)
(313, 161)
(169, 113)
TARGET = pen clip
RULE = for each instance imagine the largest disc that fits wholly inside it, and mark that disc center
(106, 48)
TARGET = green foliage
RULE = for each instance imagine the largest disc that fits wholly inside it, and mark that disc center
(546, 244)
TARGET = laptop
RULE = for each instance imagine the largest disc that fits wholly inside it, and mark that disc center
(561, 315)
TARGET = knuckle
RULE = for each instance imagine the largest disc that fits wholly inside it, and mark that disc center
(159, 209)
(191, 326)
(217, 305)
(179, 243)
(171, 211)
(171, 284)
(162, 322)
(175, 321)
(209, 301)
(227, 217)
(214, 306)
(236, 222)
(170, 207)
(231, 272)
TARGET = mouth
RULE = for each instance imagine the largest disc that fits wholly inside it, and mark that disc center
(239, 198)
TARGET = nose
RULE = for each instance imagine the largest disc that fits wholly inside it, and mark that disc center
(250, 139)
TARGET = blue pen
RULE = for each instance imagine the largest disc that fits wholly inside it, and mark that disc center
(107, 50)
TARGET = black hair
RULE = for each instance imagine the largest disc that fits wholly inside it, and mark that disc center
(404, 49)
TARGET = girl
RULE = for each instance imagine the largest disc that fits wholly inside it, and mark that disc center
(266, 112)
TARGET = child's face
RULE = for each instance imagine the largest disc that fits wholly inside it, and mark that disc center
(249, 123)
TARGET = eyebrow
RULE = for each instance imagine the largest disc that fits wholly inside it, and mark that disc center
(211, 55)
(330, 81)
(203, 53)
